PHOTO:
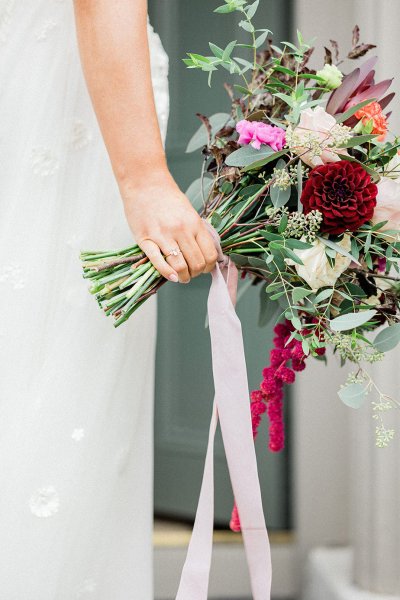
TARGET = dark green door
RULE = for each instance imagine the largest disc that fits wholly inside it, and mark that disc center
(184, 389)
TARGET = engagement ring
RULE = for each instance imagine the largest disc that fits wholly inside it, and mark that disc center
(174, 252)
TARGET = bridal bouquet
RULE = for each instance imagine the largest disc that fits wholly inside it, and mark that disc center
(301, 180)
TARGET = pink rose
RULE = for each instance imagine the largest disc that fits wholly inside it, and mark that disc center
(257, 133)
(388, 204)
(314, 131)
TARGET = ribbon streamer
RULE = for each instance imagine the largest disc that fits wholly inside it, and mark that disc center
(231, 406)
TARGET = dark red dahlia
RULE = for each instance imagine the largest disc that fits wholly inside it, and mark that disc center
(343, 192)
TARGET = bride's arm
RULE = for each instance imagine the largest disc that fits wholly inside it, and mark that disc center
(114, 50)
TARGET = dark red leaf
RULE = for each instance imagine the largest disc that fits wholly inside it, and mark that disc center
(360, 50)
(328, 56)
(335, 47)
(356, 36)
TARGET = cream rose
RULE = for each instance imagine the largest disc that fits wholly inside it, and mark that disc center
(392, 169)
(388, 203)
(316, 270)
(314, 131)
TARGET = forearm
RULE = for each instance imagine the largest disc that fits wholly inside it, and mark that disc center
(114, 51)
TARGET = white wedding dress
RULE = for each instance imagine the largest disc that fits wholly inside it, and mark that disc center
(75, 394)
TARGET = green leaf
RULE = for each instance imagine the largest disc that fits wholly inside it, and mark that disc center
(299, 293)
(271, 237)
(228, 50)
(352, 320)
(194, 191)
(247, 155)
(297, 244)
(216, 50)
(226, 8)
(246, 26)
(388, 338)
(355, 250)
(239, 259)
(262, 162)
(349, 113)
(251, 11)
(216, 220)
(337, 248)
(358, 140)
(324, 295)
(242, 90)
(280, 197)
(291, 255)
(299, 173)
(355, 290)
(283, 223)
(353, 395)
(285, 70)
(200, 138)
(261, 39)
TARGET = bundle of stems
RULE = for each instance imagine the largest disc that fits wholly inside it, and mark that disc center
(121, 280)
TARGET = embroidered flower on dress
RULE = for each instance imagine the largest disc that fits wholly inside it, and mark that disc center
(12, 275)
(42, 34)
(44, 162)
(44, 502)
(88, 587)
(5, 20)
(81, 135)
(78, 434)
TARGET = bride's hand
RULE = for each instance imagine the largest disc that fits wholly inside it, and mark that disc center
(162, 219)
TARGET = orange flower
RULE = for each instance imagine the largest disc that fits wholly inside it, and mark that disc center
(373, 111)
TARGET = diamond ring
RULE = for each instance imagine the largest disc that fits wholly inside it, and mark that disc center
(174, 252)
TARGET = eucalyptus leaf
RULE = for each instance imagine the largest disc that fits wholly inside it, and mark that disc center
(353, 395)
(299, 293)
(352, 320)
(357, 140)
(338, 248)
(200, 138)
(261, 39)
(251, 11)
(246, 155)
(262, 162)
(324, 295)
(196, 189)
(280, 197)
(388, 338)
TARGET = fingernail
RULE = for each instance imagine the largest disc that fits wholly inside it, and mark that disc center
(173, 278)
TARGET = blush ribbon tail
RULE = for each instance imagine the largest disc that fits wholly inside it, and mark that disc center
(232, 408)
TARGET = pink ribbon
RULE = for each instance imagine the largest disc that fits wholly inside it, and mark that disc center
(231, 406)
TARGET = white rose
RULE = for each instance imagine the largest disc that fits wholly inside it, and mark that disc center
(316, 270)
(388, 204)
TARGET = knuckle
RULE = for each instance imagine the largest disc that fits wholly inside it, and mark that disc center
(213, 257)
(200, 266)
(181, 268)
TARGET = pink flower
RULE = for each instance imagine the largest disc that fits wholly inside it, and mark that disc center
(388, 203)
(257, 133)
(314, 129)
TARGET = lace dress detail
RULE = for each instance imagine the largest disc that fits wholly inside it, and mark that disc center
(76, 396)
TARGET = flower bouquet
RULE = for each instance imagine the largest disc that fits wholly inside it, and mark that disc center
(301, 180)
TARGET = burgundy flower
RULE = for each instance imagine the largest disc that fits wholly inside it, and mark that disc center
(343, 192)
(357, 86)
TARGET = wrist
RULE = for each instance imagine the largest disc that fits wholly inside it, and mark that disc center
(141, 182)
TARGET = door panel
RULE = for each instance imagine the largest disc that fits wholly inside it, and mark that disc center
(184, 389)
